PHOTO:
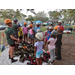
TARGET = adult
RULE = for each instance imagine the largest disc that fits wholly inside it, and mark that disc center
(15, 28)
(59, 23)
(10, 39)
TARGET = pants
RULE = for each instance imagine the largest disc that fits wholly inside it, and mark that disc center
(52, 54)
(59, 52)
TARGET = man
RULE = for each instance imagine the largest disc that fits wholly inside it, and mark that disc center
(59, 23)
(15, 28)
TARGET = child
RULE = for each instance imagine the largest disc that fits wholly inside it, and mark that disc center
(55, 28)
(20, 32)
(39, 45)
(39, 31)
(31, 33)
(51, 46)
(49, 33)
(59, 42)
(25, 31)
(46, 33)
(10, 39)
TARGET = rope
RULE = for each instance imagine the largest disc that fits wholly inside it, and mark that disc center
(1, 42)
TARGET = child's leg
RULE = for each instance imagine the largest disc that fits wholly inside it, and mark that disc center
(26, 38)
(51, 55)
(37, 60)
(40, 59)
(9, 50)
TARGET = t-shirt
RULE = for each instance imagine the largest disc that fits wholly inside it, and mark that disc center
(14, 28)
(8, 32)
(48, 35)
(31, 31)
(59, 42)
(52, 41)
(19, 32)
(37, 28)
(39, 45)
(25, 30)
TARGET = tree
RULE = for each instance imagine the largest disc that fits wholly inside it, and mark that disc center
(55, 14)
(30, 18)
(41, 16)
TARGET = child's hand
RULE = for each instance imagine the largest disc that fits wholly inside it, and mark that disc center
(18, 40)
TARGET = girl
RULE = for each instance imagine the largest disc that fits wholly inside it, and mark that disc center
(51, 46)
(10, 39)
(25, 31)
(39, 45)
(31, 33)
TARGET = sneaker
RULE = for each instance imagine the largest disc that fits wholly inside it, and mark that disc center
(13, 60)
(9, 57)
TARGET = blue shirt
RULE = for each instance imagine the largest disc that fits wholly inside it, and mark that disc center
(49, 35)
(37, 28)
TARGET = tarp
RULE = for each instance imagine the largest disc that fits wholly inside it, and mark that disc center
(38, 21)
(4, 59)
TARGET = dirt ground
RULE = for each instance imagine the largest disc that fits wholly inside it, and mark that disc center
(67, 51)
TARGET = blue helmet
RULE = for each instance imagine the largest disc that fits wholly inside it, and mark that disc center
(15, 20)
(19, 24)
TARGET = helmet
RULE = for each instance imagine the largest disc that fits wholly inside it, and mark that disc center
(30, 25)
(38, 30)
(56, 27)
(19, 25)
(15, 20)
(39, 36)
(37, 23)
(61, 27)
(59, 21)
(55, 33)
(7, 21)
(25, 23)
(50, 28)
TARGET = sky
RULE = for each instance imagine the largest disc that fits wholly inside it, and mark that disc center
(36, 11)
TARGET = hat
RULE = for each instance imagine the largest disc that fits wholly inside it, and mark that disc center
(38, 30)
(39, 36)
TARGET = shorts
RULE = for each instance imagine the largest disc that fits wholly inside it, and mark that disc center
(28, 34)
(31, 36)
(12, 45)
(39, 54)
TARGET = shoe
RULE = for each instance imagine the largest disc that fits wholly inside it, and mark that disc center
(51, 63)
(12, 60)
(9, 57)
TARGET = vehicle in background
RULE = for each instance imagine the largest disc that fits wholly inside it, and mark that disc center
(2, 27)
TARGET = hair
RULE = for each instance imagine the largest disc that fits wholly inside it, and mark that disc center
(37, 39)
(8, 24)
(53, 36)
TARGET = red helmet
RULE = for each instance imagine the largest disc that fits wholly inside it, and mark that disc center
(61, 27)
(48, 52)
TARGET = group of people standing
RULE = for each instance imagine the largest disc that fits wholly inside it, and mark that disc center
(33, 35)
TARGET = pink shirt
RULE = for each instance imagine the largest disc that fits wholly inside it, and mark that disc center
(31, 32)
(51, 45)
(25, 30)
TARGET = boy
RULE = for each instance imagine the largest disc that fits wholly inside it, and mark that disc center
(10, 39)
(39, 45)
(20, 32)
(59, 42)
